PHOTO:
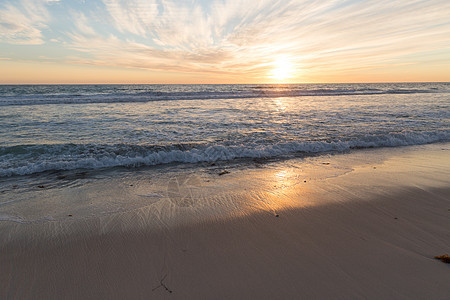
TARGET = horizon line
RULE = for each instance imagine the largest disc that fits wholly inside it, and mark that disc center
(275, 83)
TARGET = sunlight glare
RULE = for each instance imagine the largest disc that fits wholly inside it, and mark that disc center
(282, 69)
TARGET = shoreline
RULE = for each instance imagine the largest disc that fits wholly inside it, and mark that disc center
(361, 225)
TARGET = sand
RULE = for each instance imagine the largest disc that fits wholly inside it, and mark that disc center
(363, 225)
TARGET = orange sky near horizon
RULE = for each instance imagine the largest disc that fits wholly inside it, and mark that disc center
(231, 41)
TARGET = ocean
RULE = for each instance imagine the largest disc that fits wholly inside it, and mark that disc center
(47, 128)
(93, 150)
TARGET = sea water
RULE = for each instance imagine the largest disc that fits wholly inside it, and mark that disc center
(71, 152)
(45, 128)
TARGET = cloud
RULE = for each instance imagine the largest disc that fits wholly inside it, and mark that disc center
(22, 22)
(176, 24)
(240, 37)
(136, 17)
(245, 36)
(82, 26)
(185, 36)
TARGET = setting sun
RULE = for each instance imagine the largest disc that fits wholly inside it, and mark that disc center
(282, 69)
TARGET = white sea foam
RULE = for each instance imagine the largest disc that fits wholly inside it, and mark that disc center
(153, 126)
(69, 157)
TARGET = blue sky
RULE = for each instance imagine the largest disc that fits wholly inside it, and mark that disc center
(223, 41)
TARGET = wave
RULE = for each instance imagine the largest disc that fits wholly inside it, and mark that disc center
(29, 159)
(118, 94)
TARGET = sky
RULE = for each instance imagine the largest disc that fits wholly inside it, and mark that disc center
(223, 41)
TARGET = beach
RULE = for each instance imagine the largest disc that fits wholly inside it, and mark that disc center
(224, 149)
(363, 224)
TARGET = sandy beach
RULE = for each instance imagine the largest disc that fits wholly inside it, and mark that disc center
(362, 225)
(224, 149)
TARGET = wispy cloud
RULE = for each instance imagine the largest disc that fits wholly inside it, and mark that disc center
(21, 22)
(238, 37)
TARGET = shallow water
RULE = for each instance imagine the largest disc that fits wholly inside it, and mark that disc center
(172, 194)
(95, 127)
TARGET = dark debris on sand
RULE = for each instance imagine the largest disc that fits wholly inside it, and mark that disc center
(444, 258)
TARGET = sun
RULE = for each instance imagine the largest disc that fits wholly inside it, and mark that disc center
(282, 69)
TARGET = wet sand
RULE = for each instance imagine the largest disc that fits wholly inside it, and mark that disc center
(361, 225)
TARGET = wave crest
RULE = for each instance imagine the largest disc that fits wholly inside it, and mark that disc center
(29, 159)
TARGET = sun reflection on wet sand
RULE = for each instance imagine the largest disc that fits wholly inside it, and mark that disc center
(295, 218)
(145, 200)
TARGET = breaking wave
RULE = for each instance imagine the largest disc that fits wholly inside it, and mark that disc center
(29, 159)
